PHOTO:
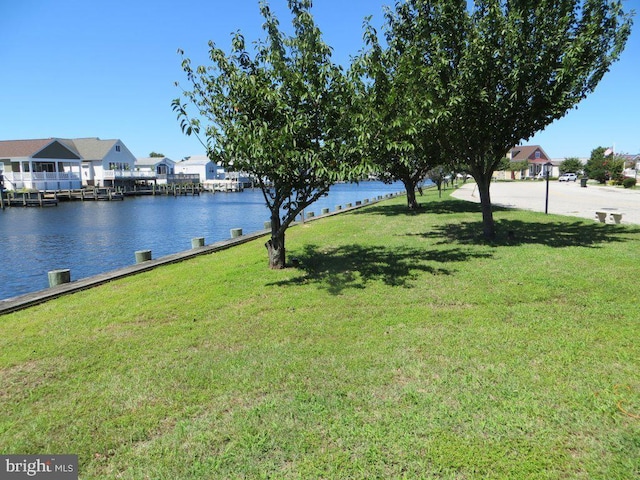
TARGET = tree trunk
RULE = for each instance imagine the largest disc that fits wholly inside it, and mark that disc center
(410, 187)
(275, 245)
(488, 226)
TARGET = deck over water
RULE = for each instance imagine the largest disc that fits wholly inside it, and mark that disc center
(52, 197)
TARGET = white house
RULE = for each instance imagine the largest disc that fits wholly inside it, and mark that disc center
(157, 168)
(631, 165)
(104, 162)
(40, 164)
(199, 165)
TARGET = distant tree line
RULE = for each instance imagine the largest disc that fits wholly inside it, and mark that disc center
(443, 88)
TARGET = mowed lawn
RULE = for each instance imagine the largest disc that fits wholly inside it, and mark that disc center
(402, 346)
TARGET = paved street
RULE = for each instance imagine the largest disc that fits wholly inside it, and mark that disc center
(565, 198)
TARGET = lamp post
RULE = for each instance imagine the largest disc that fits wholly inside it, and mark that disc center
(547, 168)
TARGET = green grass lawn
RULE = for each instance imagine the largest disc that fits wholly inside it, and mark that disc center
(403, 346)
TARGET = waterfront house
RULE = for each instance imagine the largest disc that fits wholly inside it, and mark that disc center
(40, 164)
(161, 169)
(104, 162)
(200, 165)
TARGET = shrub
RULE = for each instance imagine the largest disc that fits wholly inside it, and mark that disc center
(629, 182)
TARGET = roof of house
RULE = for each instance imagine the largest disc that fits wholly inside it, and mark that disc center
(195, 160)
(152, 161)
(91, 148)
(524, 152)
(27, 148)
(85, 148)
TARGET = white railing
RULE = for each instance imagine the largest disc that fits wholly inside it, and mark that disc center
(41, 176)
(41, 180)
(113, 174)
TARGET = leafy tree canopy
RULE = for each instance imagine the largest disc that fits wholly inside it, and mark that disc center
(509, 68)
(603, 165)
(401, 112)
(279, 113)
(571, 165)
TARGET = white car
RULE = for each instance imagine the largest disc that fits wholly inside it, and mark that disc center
(568, 177)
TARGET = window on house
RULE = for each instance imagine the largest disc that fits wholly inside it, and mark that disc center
(117, 148)
(537, 153)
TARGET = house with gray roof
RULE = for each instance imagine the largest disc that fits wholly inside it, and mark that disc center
(104, 162)
(157, 165)
(200, 165)
(64, 163)
(40, 164)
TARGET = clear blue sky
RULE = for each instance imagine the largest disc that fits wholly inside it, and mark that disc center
(78, 68)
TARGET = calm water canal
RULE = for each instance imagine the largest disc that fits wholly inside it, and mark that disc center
(96, 237)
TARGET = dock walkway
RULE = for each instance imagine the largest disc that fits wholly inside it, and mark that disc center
(52, 197)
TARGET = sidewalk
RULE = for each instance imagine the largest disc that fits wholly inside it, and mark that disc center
(565, 198)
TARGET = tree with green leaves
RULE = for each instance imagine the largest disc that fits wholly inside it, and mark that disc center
(280, 114)
(571, 165)
(438, 176)
(399, 126)
(507, 165)
(510, 68)
(603, 165)
(156, 155)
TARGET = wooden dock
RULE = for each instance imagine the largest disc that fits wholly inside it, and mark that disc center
(84, 194)
(28, 199)
(51, 198)
(174, 190)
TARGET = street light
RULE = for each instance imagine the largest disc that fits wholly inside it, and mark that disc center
(547, 168)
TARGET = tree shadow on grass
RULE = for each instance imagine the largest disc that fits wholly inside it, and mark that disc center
(579, 233)
(436, 206)
(515, 232)
(353, 266)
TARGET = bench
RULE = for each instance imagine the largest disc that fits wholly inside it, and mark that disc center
(616, 216)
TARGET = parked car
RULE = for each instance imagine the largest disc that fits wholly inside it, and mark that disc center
(568, 177)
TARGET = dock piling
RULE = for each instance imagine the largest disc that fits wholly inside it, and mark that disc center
(197, 242)
(58, 277)
(143, 256)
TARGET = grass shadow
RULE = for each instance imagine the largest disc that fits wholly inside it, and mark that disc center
(354, 266)
(516, 232)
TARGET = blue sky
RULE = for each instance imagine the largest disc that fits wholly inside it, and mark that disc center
(78, 68)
